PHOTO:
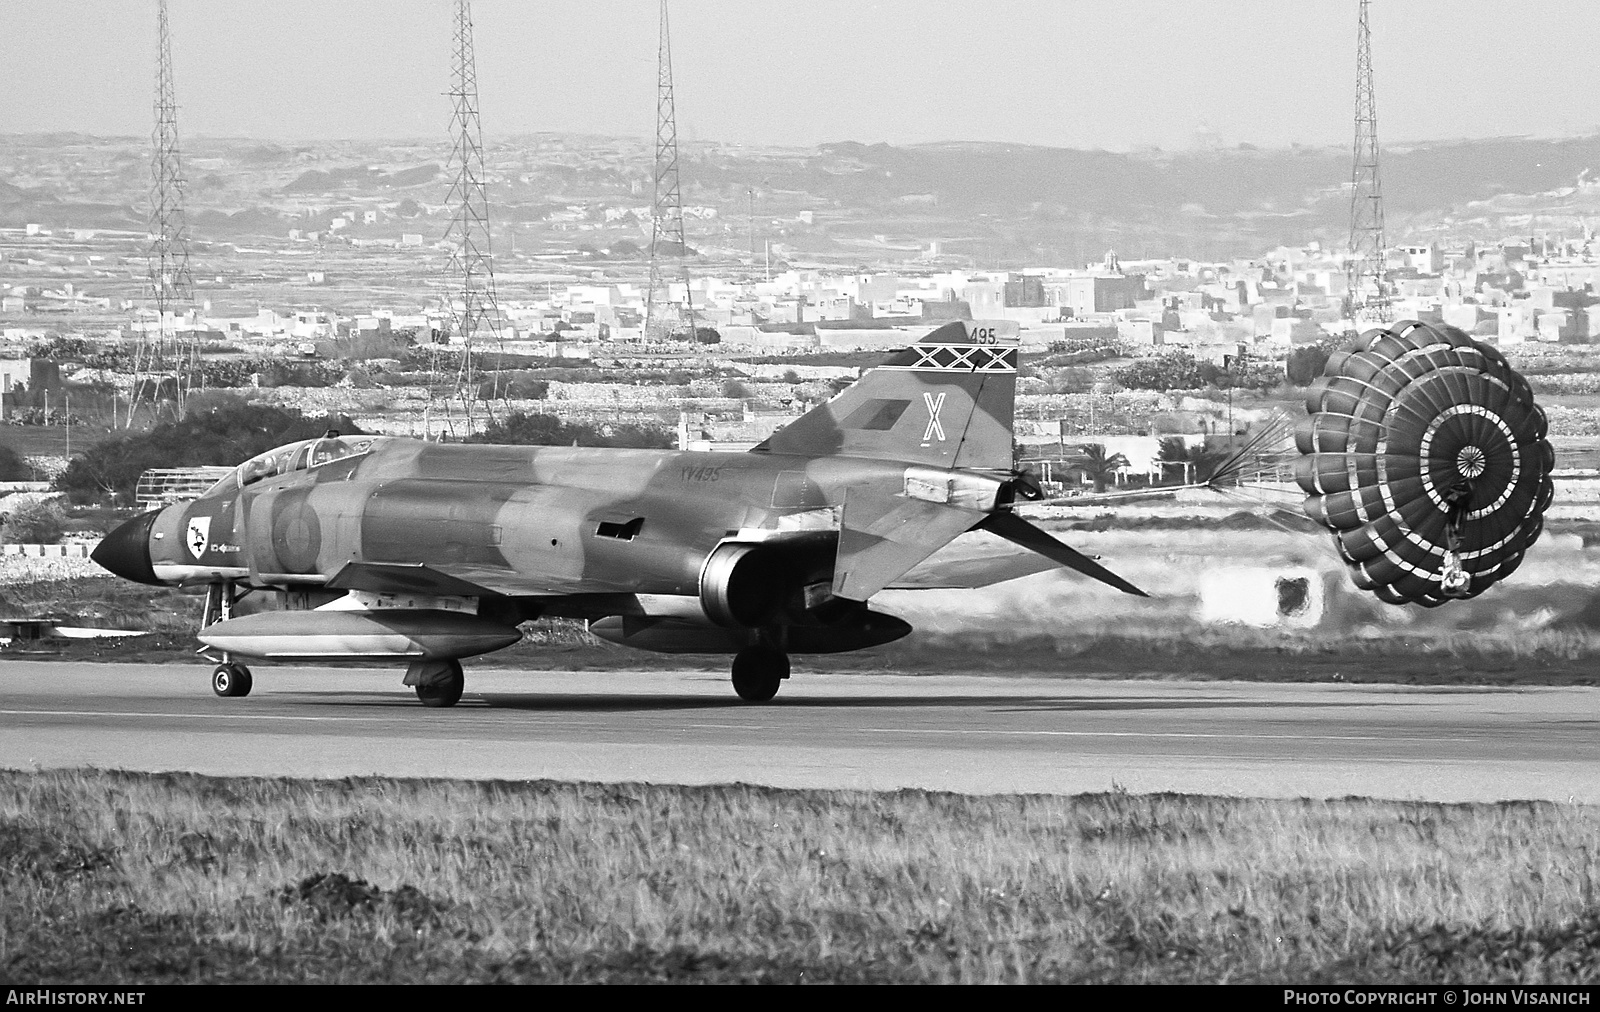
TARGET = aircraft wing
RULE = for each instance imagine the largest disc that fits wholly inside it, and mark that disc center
(455, 581)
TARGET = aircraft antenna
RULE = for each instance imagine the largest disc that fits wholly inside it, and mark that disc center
(1368, 292)
(168, 284)
(666, 214)
(470, 297)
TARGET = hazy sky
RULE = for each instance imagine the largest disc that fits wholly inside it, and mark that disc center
(1074, 73)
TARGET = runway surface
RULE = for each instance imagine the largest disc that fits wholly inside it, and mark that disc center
(958, 733)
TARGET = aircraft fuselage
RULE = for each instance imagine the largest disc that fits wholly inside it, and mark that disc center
(536, 521)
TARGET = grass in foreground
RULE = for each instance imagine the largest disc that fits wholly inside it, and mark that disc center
(156, 878)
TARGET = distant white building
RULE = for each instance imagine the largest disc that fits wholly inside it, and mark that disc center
(1294, 330)
(313, 325)
(1142, 453)
(14, 372)
(1424, 259)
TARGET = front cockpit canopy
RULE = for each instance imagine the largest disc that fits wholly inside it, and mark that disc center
(307, 453)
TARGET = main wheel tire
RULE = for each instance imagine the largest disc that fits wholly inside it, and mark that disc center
(231, 680)
(758, 671)
(445, 689)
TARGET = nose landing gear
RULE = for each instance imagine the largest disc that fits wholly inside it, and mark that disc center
(231, 679)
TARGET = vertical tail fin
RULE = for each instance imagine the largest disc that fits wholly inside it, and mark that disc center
(946, 401)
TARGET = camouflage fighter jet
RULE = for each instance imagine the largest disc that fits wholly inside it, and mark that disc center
(362, 548)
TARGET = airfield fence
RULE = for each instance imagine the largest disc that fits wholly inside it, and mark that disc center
(163, 486)
(68, 551)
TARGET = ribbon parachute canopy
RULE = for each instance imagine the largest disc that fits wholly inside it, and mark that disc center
(1425, 455)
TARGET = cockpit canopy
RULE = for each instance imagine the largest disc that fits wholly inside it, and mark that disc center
(307, 453)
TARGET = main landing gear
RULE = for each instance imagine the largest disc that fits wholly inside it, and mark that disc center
(231, 679)
(758, 671)
(438, 683)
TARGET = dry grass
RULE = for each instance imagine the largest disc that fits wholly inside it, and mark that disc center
(101, 602)
(1193, 638)
(150, 878)
(23, 569)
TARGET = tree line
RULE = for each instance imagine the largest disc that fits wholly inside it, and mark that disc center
(224, 429)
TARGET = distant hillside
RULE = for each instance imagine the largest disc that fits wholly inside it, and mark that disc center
(990, 204)
(1211, 203)
(988, 177)
(357, 179)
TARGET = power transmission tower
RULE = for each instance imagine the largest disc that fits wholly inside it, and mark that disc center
(168, 281)
(1367, 280)
(471, 295)
(666, 216)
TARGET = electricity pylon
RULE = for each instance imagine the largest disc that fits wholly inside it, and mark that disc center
(666, 214)
(1368, 291)
(168, 282)
(474, 311)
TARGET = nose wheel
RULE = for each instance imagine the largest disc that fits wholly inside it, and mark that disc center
(231, 679)
(758, 671)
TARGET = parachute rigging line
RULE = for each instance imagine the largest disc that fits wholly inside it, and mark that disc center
(1264, 446)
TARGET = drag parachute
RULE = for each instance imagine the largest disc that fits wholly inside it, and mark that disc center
(1426, 456)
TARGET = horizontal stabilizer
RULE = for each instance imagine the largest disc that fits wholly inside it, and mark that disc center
(969, 573)
(1017, 530)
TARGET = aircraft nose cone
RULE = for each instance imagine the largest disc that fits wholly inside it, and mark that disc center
(126, 550)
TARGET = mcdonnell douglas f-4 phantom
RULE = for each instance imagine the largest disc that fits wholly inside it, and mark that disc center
(385, 548)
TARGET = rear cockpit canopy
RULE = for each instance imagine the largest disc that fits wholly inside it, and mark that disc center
(308, 453)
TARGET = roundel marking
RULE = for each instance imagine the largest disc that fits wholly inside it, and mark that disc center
(296, 533)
